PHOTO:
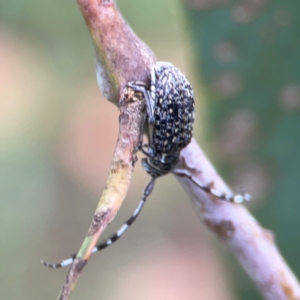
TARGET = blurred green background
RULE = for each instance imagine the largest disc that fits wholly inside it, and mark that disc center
(56, 150)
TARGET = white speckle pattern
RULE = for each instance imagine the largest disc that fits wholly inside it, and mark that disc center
(228, 85)
(226, 52)
(247, 11)
(290, 97)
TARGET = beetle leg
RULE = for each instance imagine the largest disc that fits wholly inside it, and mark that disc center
(141, 87)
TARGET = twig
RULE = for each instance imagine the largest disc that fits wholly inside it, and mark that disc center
(253, 246)
(132, 119)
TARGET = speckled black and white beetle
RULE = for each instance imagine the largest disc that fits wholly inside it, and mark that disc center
(170, 110)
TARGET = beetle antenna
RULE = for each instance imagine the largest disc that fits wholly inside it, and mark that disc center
(115, 236)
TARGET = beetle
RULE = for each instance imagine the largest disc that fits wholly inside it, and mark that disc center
(170, 109)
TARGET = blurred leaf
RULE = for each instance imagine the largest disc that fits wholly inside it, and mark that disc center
(248, 54)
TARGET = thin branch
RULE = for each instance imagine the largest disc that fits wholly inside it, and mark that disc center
(253, 246)
(131, 120)
(121, 57)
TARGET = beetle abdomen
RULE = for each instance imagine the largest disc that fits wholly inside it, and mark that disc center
(173, 110)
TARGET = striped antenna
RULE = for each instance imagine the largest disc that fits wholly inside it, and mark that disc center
(238, 198)
(114, 237)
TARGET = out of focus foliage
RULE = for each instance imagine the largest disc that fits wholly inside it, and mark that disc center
(248, 55)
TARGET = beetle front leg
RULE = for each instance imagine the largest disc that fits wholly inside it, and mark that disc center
(146, 150)
(141, 87)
